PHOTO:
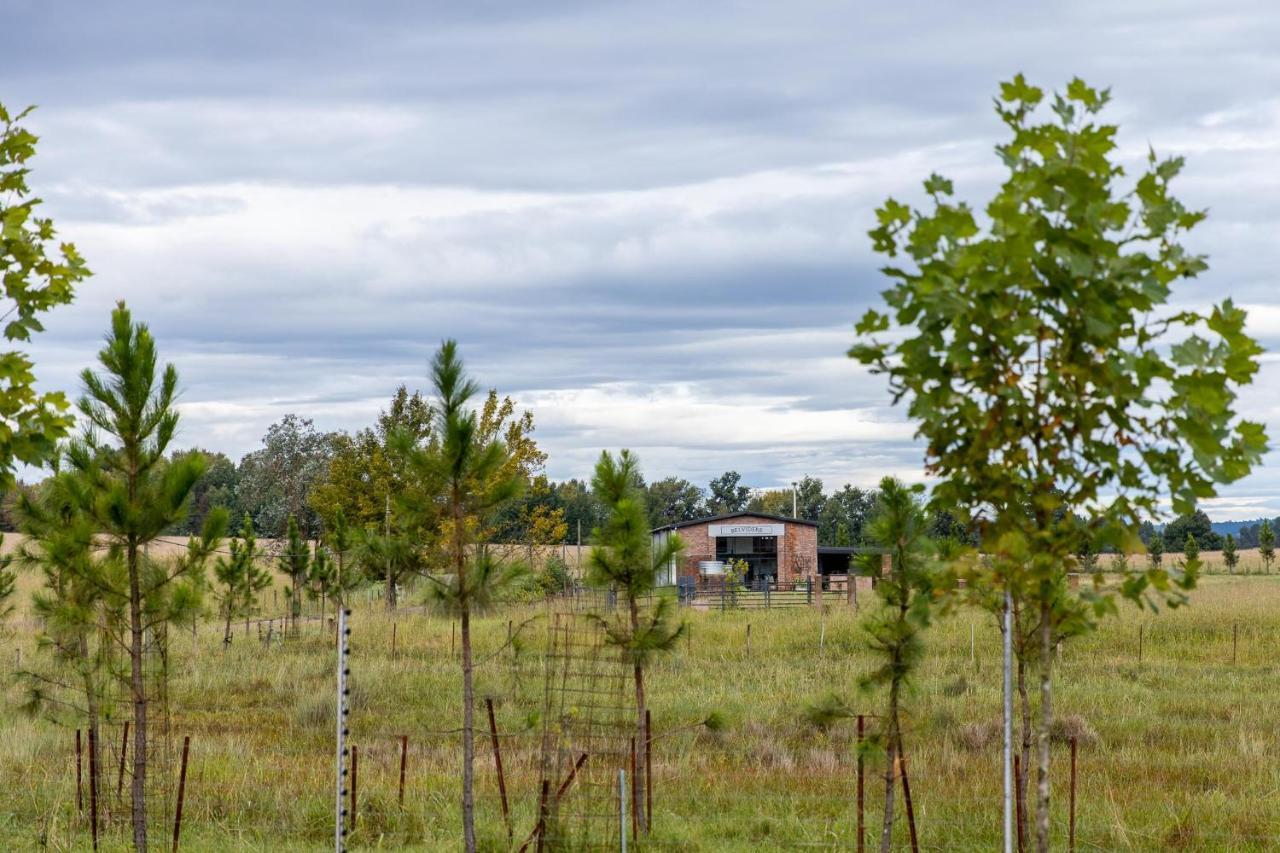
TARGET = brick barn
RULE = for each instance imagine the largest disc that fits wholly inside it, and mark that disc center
(783, 550)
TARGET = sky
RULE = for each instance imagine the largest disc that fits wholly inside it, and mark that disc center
(646, 222)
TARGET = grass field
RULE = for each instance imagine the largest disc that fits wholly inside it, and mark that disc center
(1177, 752)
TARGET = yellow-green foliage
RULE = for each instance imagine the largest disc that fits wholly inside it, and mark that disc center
(1183, 756)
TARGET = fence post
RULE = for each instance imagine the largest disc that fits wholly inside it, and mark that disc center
(79, 784)
(355, 775)
(497, 761)
(404, 757)
(340, 784)
(861, 777)
(1235, 628)
(1071, 825)
(648, 768)
(93, 785)
(182, 791)
(906, 796)
(124, 749)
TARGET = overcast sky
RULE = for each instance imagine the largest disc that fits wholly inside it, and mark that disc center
(645, 221)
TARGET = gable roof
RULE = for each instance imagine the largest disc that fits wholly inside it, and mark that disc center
(728, 515)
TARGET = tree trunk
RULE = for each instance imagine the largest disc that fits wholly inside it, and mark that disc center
(1024, 704)
(391, 589)
(1046, 721)
(468, 738)
(637, 784)
(137, 684)
(226, 633)
(891, 760)
(295, 602)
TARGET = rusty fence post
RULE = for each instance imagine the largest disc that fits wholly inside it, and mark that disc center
(861, 788)
(906, 797)
(497, 762)
(355, 772)
(93, 786)
(404, 757)
(1071, 823)
(635, 792)
(124, 749)
(541, 828)
(182, 791)
(1017, 787)
(79, 783)
(648, 768)
(393, 641)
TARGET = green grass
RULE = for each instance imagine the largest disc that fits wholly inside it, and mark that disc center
(1183, 756)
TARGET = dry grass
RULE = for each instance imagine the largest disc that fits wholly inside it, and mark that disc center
(1176, 752)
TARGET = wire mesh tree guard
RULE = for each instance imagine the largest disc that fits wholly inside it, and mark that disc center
(588, 727)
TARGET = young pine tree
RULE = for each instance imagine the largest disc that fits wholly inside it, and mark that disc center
(294, 562)
(463, 471)
(1266, 545)
(1191, 548)
(239, 578)
(339, 541)
(134, 496)
(905, 593)
(78, 620)
(1230, 555)
(1155, 550)
(623, 557)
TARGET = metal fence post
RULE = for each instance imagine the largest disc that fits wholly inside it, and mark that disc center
(340, 785)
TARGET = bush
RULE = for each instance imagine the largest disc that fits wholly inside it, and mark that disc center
(555, 577)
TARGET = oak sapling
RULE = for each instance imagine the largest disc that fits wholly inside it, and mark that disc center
(1046, 375)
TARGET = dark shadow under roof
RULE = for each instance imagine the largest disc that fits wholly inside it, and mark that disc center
(711, 518)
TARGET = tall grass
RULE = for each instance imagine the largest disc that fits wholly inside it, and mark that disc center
(1177, 752)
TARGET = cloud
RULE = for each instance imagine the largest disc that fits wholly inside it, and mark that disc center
(646, 221)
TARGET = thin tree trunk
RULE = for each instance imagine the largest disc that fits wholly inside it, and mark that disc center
(1024, 704)
(226, 633)
(891, 760)
(468, 737)
(1046, 720)
(637, 784)
(138, 787)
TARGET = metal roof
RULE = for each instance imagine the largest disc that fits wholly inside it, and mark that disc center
(712, 518)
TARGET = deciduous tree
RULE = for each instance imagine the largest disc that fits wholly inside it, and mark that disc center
(36, 276)
(1047, 377)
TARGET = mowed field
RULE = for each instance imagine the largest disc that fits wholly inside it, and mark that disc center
(1177, 751)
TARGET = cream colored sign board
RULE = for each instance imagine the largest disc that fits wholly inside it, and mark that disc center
(746, 529)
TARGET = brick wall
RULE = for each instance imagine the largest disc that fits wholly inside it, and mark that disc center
(797, 549)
